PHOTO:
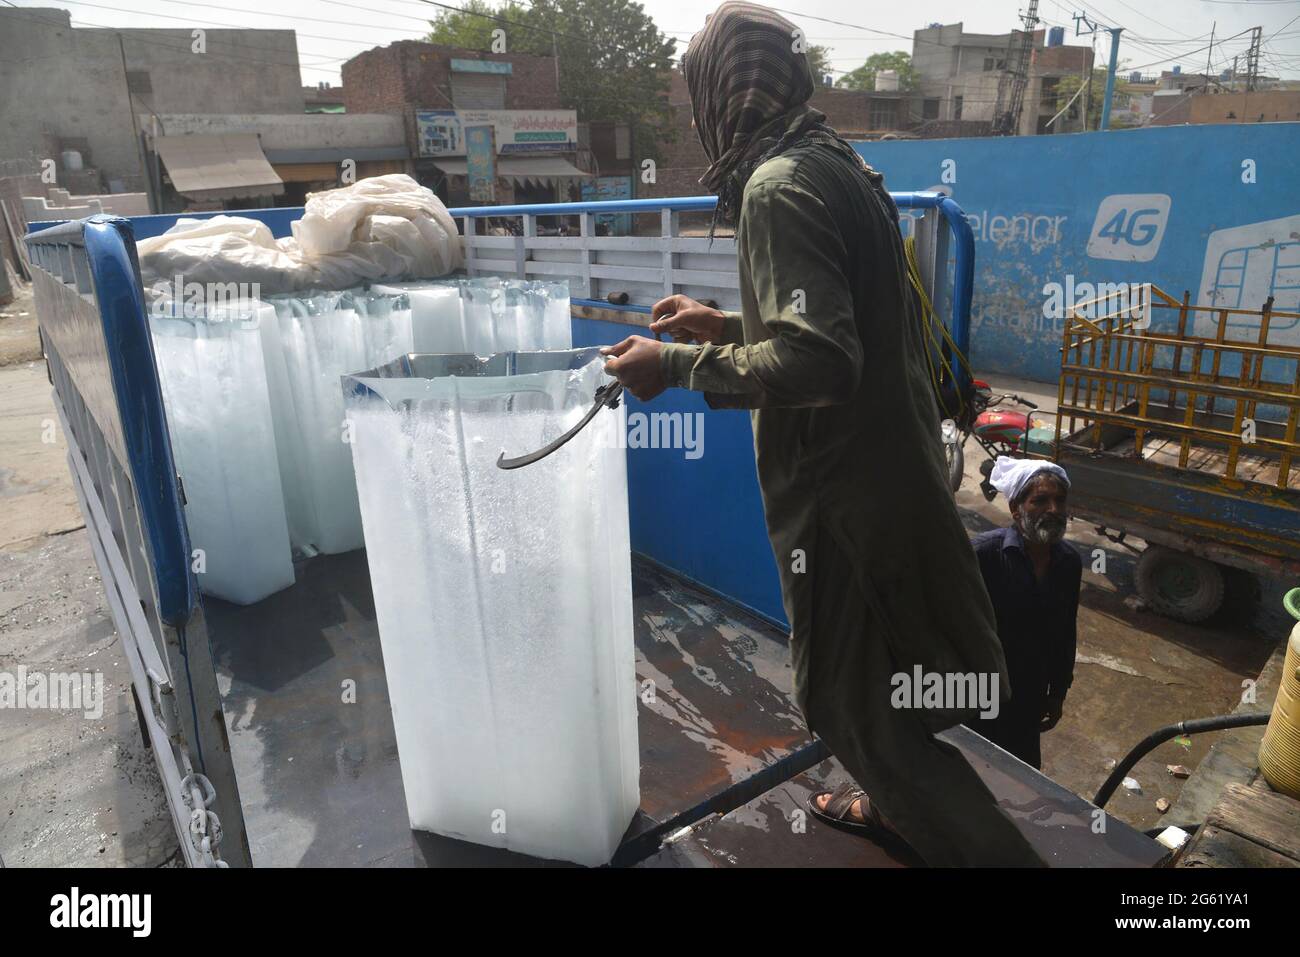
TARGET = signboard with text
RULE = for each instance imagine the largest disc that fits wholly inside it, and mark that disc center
(481, 164)
(1213, 210)
(442, 132)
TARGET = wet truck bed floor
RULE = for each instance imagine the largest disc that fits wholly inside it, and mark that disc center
(306, 705)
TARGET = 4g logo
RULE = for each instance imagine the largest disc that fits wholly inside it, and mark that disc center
(1129, 227)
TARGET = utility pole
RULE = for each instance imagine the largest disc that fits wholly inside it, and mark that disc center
(1213, 27)
(1087, 98)
(1252, 59)
(1114, 59)
(1015, 75)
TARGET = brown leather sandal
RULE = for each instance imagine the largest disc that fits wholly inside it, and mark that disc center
(837, 810)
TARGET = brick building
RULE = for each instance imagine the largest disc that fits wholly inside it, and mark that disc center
(91, 91)
(855, 114)
(412, 73)
(959, 73)
(438, 90)
(1260, 106)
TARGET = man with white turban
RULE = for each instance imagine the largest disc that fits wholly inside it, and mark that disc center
(1033, 578)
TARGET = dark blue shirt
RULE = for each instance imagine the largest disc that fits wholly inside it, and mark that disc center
(1037, 626)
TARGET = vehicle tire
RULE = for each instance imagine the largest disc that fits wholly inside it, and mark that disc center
(1179, 585)
(956, 459)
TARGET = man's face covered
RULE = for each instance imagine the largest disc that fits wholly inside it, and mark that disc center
(1040, 514)
(743, 71)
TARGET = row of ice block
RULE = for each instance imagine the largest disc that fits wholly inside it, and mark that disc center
(503, 598)
(486, 316)
(317, 340)
(214, 387)
(311, 344)
(255, 387)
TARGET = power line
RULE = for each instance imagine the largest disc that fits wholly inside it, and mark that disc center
(133, 35)
(282, 16)
(218, 24)
(1188, 53)
(1146, 17)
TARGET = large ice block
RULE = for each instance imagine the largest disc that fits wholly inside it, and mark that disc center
(437, 321)
(503, 599)
(313, 341)
(486, 315)
(214, 389)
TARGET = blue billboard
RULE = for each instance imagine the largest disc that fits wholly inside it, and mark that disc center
(1214, 210)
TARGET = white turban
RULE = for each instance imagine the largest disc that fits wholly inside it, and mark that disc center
(1010, 476)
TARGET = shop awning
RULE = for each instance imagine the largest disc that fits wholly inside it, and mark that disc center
(523, 170)
(218, 166)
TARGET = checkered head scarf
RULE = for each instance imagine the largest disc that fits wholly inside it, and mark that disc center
(749, 92)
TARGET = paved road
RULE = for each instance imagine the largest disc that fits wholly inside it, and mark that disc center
(77, 787)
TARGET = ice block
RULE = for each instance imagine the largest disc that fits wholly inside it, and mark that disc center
(313, 341)
(214, 387)
(437, 322)
(486, 315)
(503, 599)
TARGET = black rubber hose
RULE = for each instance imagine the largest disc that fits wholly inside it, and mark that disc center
(1194, 726)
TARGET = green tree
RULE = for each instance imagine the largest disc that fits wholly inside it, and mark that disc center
(1067, 86)
(473, 28)
(864, 77)
(614, 62)
(819, 58)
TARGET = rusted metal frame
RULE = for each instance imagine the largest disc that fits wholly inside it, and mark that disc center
(1187, 430)
(1108, 327)
(1060, 390)
(1249, 375)
(1177, 364)
(1216, 360)
(1246, 348)
(1189, 412)
(1257, 360)
(1078, 358)
(1223, 389)
(1169, 301)
(1238, 417)
(1090, 380)
(1289, 433)
(1104, 382)
(1087, 398)
(1131, 390)
(1146, 356)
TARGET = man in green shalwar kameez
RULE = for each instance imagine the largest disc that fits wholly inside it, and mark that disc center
(877, 574)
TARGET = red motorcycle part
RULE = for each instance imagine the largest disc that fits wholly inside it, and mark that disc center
(1006, 427)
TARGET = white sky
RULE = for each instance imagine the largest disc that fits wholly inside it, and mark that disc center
(1158, 33)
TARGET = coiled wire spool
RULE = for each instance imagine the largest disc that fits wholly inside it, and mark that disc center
(1279, 752)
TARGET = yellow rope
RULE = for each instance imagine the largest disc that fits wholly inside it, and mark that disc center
(929, 323)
